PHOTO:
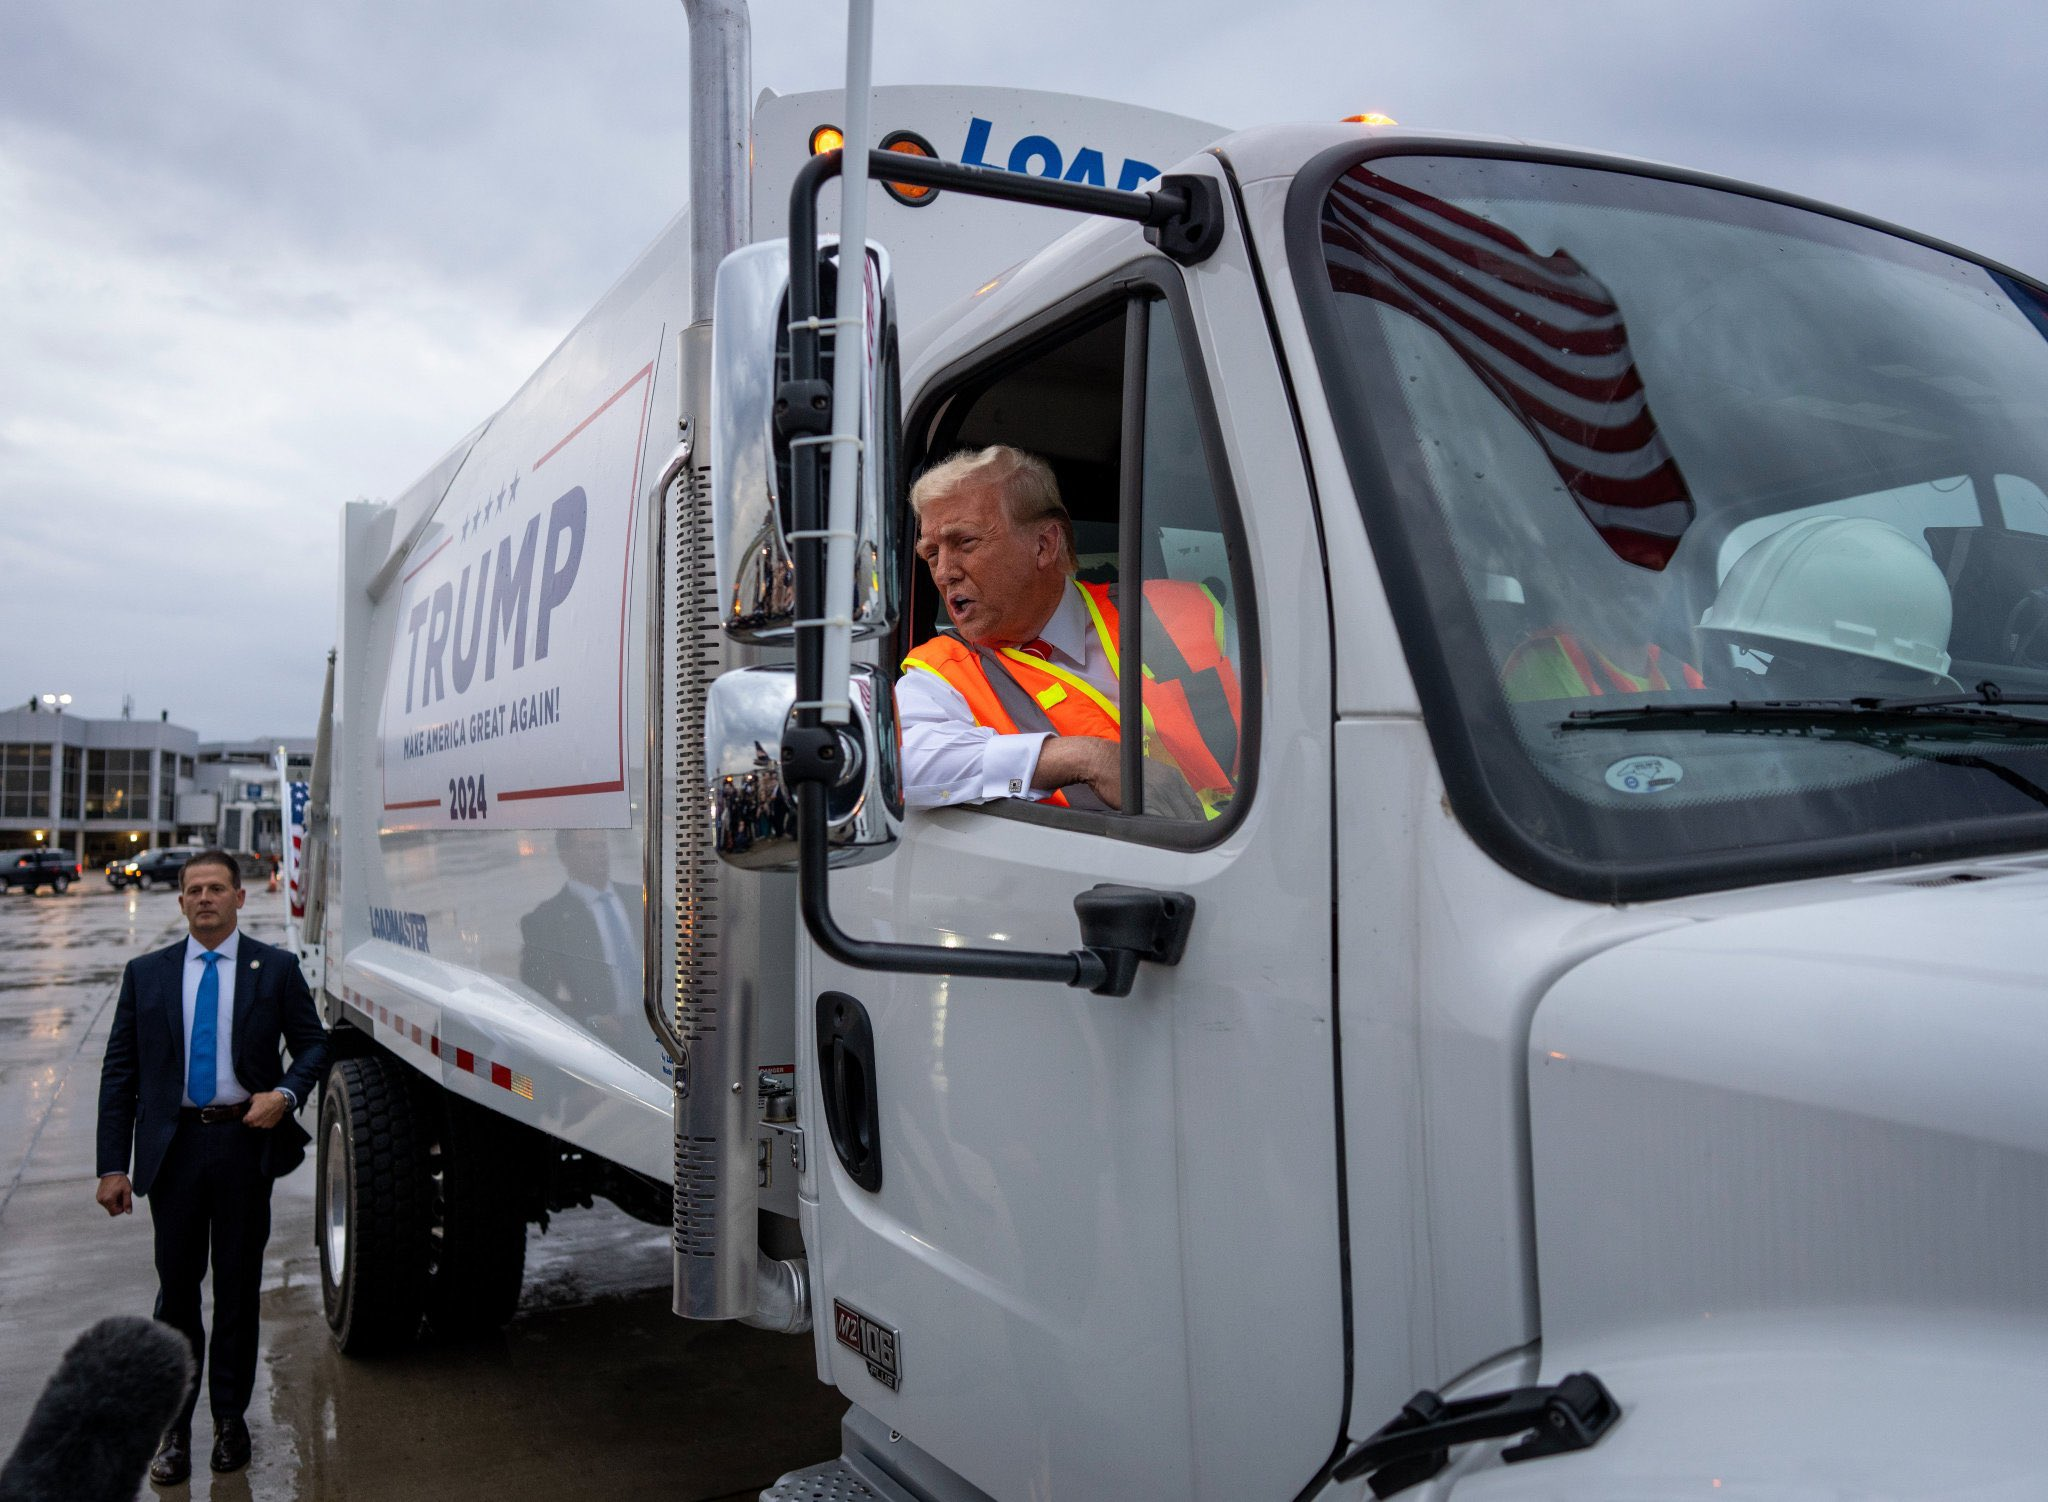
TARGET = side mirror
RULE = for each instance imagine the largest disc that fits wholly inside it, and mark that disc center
(750, 449)
(753, 820)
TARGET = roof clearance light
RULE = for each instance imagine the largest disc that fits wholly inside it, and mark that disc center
(827, 138)
(1375, 118)
(910, 143)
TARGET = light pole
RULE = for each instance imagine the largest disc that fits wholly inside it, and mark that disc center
(55, 703)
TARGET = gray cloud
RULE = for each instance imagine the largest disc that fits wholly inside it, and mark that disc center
(256, 260)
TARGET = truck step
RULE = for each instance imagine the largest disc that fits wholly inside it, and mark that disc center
(835, 1481)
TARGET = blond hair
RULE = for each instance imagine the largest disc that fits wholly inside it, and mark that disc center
(1025, 482)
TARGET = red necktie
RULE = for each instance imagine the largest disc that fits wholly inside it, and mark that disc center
(1038, 647)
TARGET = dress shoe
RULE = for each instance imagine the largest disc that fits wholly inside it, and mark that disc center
(173, 1462)
(230, 1445)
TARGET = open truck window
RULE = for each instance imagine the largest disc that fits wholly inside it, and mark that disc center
(1112, 401)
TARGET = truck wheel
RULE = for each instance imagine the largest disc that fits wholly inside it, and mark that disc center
(61, 885)
(371, 1206)
(476, 1245)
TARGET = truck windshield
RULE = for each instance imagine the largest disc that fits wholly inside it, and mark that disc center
(1630, 441)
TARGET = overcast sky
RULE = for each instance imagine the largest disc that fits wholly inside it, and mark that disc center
(259, 259)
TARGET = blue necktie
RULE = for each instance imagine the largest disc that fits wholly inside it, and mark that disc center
(201, 1072)
(615, 929)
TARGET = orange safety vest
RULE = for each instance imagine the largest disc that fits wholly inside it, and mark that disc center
(1554, 664)
(1193, 710)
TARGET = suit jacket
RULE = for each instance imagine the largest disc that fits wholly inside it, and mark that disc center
(561, 953)
(143, 1079)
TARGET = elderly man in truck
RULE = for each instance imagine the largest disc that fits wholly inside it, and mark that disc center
(1020, 700)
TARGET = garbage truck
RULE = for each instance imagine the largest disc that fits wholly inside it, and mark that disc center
(1588, 1046)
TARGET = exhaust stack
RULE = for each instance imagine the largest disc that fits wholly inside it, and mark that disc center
(702, 918)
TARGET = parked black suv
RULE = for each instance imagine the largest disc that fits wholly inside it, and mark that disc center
(164, 866)
(29, 869)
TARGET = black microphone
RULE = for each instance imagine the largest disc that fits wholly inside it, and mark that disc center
(100, 1417)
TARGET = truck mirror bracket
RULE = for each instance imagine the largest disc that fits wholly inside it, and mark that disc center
(1124, 925)
(1416, 1443)
(1190, 234)
(803, 409)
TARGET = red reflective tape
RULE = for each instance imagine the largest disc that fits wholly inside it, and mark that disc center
(645, 371)
(446, 540)
(465, 1061)
(501, 1076)
(415, 1033)
(569, 790)
(435, 1044)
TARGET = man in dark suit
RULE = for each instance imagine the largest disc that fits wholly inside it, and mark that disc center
(194, 1084)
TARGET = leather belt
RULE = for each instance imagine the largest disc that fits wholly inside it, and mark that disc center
(214, 1115)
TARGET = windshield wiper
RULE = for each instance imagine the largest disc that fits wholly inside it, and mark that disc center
(1887, 724)
(1981, 711)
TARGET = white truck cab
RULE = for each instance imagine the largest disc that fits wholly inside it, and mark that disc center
(1588, 1047)
(1554, 999)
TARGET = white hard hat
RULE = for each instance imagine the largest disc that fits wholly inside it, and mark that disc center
(1850, 584)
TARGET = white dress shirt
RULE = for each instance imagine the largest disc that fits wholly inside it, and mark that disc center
(227, 1090)
(948, 758)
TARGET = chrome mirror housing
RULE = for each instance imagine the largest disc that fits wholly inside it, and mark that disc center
(750, 458)
(753, 820)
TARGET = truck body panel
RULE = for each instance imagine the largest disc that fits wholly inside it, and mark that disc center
(1835, 1104)
(1863, 1402)
(464, 919)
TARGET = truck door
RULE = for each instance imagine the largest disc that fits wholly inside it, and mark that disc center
(1086, 1246)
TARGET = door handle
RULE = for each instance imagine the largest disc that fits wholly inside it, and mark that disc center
(847, 1078)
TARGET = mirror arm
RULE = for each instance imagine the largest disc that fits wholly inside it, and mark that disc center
(1183, 216)
(1082, 968)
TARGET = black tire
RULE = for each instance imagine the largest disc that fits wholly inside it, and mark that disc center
(61, 885)
(373, 1188)
(476, 1246)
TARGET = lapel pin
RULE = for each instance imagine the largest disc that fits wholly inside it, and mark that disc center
(255, 964)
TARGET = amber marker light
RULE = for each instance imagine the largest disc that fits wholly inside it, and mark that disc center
(1372, 119)
(910, 143)
(827, 138)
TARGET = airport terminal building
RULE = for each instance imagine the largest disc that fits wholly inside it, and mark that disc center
(105, 788)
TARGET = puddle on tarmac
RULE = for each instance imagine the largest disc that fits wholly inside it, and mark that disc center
(594, 1389)
(46, 1024)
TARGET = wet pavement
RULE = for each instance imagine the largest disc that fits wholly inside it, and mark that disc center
(594, 1390)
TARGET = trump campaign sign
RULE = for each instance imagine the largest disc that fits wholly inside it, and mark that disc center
(505, 701)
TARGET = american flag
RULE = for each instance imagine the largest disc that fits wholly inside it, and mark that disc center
(295, 850)
(1543, 333)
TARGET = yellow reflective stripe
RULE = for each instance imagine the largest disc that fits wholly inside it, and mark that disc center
(919, 662)
(1222, 634)
(1102, 632)
(1071, 680)
(1108, 640)
(1051, 696)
